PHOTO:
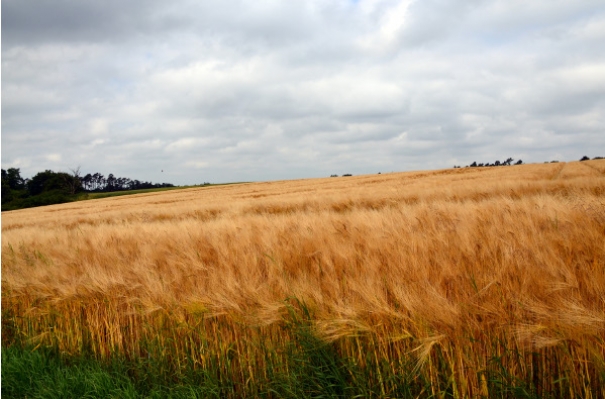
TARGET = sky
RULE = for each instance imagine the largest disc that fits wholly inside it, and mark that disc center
(188, 92)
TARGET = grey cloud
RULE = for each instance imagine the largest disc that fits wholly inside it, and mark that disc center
(428, 26)
(72, 21)
(237, 90)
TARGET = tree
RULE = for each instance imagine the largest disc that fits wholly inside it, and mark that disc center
(73, 182)
(111, 181)
(47, 181)
(76, 173)
(87, 182)
(13, 178)
(585, 158)
(7, 193)
(127, 183)
(99, 181)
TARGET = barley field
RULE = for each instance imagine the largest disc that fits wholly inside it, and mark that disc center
(473, 282)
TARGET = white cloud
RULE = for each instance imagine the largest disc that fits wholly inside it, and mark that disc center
(197, 164)
(386, 33)
(184, 144)
(99, 126)
(53, 157)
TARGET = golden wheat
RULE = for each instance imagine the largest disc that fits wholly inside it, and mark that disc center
(455, 259)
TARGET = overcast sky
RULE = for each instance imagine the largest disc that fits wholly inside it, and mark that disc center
(232, 90)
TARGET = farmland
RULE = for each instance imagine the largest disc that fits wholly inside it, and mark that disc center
(471, 282)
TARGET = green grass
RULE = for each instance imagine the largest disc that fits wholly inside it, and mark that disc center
(303, 367)
(315, 370)
(88, 196)
(51, 198)
(43, 374)
(288, 362)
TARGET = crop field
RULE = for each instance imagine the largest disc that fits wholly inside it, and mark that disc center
(472, 282)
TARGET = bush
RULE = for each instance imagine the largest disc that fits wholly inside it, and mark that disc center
(51, 181)
(7, 194)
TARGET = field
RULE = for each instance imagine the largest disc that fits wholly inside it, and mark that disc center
(98, 195)
(472, 282)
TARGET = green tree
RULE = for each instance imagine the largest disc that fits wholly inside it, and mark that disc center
(14, 179)
(48, 181)
(7, 193)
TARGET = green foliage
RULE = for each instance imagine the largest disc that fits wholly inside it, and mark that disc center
(99, 195)
(48, 187)
(45, 198)
(13, 188)
(304, 366)
(296, 363)
(48, 181)
(13, 178)
(7, 193)
(45, 188)
(42, 374)
(316, 369)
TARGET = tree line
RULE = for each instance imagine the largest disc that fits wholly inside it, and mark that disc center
(509, 161)
(98, 183)
(48, 187)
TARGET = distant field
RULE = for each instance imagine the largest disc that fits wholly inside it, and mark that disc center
(95, 195)
(473, 282)
(87, 196)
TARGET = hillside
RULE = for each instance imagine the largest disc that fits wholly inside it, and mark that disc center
(465, 282)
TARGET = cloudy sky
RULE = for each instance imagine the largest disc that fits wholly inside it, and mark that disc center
(235, 90)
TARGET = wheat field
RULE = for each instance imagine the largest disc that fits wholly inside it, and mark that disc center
(473, 282)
